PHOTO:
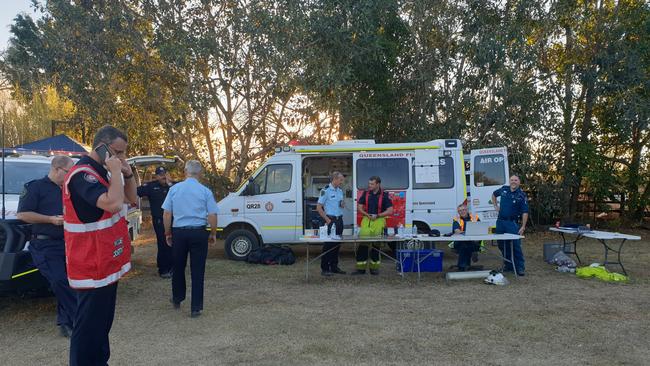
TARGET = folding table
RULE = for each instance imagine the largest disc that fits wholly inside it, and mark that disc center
(601, 236)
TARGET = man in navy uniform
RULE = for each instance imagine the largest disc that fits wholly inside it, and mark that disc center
(513, 205)
(42, 206)
(330, 208)
(192, 207)
(156, 191)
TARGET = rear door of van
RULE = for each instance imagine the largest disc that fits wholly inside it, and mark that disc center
(488, 171)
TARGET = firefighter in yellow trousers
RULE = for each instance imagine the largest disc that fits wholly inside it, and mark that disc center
(375, 206)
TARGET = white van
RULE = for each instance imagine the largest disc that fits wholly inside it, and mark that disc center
(426, 182)
(17, 272)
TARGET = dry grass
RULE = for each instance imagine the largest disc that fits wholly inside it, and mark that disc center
(270, 316)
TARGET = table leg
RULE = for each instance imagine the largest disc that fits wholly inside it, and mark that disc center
(395, 261)
(418, 258)
(512, 258)
(618, 252)
(307, 270)
(315, 259)
(575, 246)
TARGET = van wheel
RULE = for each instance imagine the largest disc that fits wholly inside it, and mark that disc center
(239, 244)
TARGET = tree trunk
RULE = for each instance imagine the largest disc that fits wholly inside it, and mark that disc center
(567, 133)
(205, 129)
(582, 160)
(636, 206)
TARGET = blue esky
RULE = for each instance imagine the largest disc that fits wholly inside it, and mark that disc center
(8, 11)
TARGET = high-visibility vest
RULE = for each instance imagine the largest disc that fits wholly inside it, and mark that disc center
(461, 221)
(97, 253)
(379, 202)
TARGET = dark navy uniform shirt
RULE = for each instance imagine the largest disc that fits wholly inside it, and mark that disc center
(156, 193)
(44, 197)
(513, 204)
(373, 200)
(85, 190)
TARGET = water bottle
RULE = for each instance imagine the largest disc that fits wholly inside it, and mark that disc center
(400, 231)
(333, 230)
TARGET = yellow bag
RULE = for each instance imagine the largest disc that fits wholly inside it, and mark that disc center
(601, 273)
(372, 227)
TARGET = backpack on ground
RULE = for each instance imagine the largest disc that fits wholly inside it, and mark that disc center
(272, 254)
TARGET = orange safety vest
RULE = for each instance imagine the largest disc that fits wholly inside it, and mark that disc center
(97, 253)
(461, 221)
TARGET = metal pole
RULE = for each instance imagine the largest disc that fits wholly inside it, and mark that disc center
(3, 167)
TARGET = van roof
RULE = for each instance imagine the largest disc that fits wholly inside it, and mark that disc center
(370, 145)
(29, 158)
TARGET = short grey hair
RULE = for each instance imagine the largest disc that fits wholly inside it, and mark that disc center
(61, 161)
(193, 167)
(335, 175)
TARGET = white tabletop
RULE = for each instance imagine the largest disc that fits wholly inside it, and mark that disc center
(352, 239)
(596, 234)
(461, 237)
(606, 235)
(457, 237)
(566, 230)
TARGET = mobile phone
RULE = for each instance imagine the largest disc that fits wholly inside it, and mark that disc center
(102, 150)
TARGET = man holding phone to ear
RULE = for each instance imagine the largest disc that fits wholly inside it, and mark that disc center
(98, 247)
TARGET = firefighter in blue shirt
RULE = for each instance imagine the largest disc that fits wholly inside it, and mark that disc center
(330, 208)
(512, 207)
(41, 205)
(156, 191)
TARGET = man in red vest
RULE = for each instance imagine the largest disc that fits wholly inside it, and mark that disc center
(375, 206)
(98, 248)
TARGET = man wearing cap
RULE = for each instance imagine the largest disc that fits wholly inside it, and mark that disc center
(156, 191)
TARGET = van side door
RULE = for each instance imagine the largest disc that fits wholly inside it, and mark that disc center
(393, 169)
(488, 171)
(437, 187)
(272, 202)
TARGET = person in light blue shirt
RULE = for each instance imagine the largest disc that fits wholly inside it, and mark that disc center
(192, 207)
(330, 208)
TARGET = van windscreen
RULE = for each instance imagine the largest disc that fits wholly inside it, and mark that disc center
(394, 173)
(489, 170)
(19, 173)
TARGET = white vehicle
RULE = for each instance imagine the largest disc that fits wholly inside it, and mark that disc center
(426, 182)
(25, 168)
(17, 272)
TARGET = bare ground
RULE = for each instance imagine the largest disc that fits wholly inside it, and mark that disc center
(269, 315)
